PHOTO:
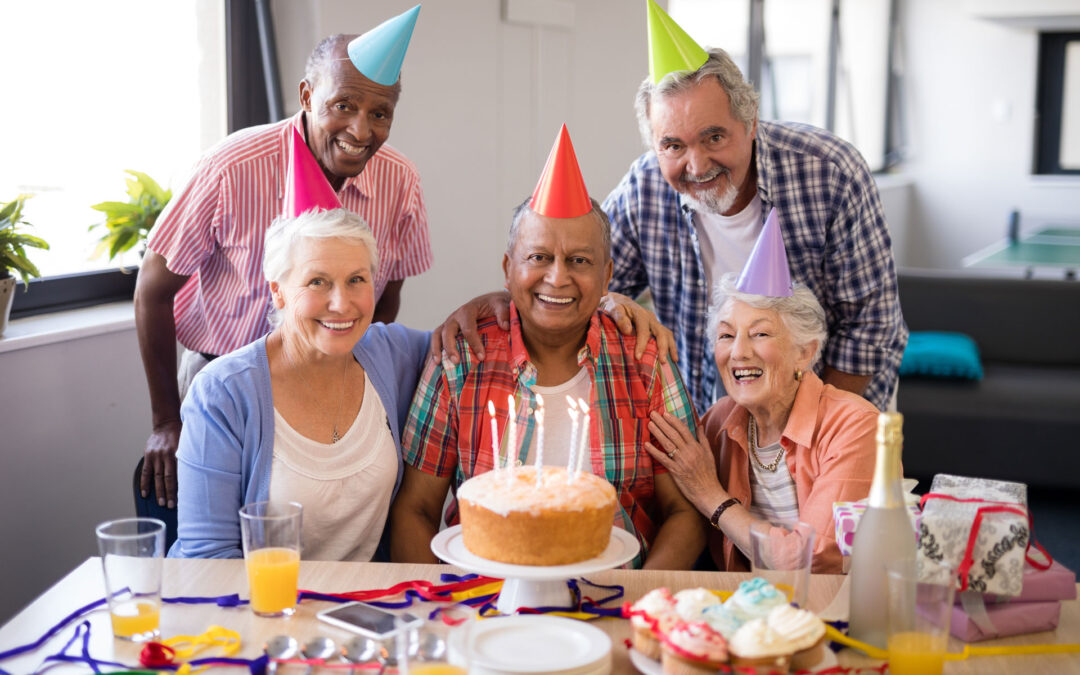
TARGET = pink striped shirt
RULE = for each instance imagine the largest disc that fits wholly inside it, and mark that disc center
(213, 231)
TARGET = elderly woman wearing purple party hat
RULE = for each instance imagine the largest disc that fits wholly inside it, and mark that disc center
(781, 446)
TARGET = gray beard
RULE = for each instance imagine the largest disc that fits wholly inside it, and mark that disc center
(718, 202)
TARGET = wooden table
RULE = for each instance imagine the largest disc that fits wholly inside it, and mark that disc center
(221, 577)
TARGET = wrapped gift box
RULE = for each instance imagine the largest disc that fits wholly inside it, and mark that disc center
(846, 516)
(1000, 542)
(1056, 583)
(1001, 620)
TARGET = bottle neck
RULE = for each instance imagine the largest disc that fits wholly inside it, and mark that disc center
(886, 491)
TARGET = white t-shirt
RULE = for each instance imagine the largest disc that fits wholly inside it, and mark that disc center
(345, 487)
(772, 493)
(726, 241)
(557, 425)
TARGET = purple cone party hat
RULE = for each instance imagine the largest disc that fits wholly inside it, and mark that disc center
(306, 187)
(561, 193)
(378, 53)
(670, 48)
(766, 271)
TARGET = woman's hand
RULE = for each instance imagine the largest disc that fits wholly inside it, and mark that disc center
(689, 460)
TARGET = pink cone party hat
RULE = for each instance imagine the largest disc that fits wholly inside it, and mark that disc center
(670, 48)
(306, 187)
(378, 53)
(766, 271)
(561, 191)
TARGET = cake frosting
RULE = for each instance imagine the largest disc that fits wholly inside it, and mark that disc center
(754, 599)
(722, 619)
(513, 518)
(801, 628)
(654, 604)
(756, 640)
(697, 641)
(690, 603)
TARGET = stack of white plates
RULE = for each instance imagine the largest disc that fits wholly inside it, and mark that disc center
(532, 643)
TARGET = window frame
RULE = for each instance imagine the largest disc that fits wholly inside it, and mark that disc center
(1049, 100)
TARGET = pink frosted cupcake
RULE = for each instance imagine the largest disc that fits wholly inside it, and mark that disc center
(693, 649)
(650, 617)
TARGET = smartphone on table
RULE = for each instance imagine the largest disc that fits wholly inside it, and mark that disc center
(367, 620)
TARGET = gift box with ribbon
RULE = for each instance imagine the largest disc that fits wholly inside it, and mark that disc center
(980, 527)
(979, 616)
(846, 516)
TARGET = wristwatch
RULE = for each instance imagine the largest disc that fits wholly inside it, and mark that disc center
(715, 520)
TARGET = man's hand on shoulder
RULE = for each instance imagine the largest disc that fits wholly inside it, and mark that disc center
(463, 320)
(632, 318)
(159, 463)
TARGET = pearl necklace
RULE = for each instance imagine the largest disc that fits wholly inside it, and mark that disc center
(751, 435)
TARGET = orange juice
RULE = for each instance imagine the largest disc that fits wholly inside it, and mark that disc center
(914, 653)
(135, 619)
(272, 575)
(436, 669)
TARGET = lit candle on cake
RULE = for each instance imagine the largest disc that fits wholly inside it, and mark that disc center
(538, 415)
(494, 437)
(572, 412)
(511, 431)
(584, 445)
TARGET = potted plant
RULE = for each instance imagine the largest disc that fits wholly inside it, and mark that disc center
(127, 223)
(13, 243)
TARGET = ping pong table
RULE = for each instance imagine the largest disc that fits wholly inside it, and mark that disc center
(1050, 247)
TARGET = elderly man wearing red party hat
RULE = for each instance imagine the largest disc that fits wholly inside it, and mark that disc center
(558, 346)
(201, 281)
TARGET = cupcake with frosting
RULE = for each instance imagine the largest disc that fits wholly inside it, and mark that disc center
(804, 630)
(693, 648)
(754, 599)
(691, 603)
(722, 619)
(756, 645)
(651, 616)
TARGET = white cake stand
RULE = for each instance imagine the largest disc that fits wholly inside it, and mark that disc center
(531, 585)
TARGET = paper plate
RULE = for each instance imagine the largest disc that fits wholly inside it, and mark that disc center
(534, 643)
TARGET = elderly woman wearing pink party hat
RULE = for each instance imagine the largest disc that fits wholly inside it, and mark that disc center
(781, 446)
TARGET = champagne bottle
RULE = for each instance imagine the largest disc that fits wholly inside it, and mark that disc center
(884, 534)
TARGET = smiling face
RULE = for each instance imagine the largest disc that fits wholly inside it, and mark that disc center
(556, 273)
(705, 153)
(757, 358)
(328, 297)
(348, 116)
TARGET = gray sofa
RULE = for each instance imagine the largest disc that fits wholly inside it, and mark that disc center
(1022, 420)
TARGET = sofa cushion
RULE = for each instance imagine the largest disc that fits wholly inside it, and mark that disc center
(941, 354)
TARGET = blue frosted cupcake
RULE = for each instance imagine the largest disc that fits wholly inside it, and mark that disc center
(754, 599)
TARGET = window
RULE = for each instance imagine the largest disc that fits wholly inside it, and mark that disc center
(1057, 146)
(98, 88)
(795, 64)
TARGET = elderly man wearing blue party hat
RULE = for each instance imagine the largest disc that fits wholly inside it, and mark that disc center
(201, 281)
(689, 210)
(775, 453)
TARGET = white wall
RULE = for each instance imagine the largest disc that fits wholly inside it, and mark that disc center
(970, 85)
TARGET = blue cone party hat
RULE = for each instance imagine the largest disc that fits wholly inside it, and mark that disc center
(766, 271)
(306, 187)
(378, 53)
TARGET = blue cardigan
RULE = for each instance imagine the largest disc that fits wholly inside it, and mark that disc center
(227, 443)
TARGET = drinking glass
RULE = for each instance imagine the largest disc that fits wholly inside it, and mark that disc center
(436, 648)
(782, 555)
(920, 606)
(132, 551)
(271, 538)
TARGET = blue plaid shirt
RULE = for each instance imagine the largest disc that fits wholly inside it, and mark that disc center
(837, 244)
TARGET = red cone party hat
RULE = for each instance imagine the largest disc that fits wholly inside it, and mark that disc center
(306, 187)
(766, 271)
(561, 191)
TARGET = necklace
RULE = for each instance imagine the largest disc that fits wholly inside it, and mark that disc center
(335, 437)
(751, 434)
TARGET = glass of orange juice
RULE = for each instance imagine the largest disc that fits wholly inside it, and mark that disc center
(132, 550)
(270, 532)
(435, 648)
(920, 607)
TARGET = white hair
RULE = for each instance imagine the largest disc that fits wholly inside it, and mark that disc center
(801, 312)
(285, 235)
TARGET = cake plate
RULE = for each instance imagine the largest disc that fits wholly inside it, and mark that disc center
(533, 585)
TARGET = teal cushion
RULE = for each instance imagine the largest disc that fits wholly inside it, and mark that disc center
(937, 354)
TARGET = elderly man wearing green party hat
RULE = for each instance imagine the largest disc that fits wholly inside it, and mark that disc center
(201, 282)
(689, 210)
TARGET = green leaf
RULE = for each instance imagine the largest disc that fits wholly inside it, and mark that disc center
(117, 208)
(30, 240)
(150, 185)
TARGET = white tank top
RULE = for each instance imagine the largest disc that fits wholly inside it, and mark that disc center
(557, 426)
(726, 241)
(345, 487)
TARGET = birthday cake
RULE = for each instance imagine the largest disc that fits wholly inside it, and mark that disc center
(510, 517)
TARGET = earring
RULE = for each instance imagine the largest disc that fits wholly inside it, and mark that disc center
(798, 375)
